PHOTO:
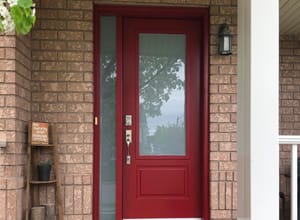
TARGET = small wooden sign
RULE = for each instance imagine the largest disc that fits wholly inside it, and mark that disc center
(40, 133)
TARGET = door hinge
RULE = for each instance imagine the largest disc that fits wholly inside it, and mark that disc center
(96, 120)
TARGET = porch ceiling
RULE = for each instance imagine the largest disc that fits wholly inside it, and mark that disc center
(289, 17)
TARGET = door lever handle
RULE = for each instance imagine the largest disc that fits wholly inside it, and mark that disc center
(128, 136)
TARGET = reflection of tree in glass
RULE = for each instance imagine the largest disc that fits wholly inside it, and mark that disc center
(108, 116)
(169, 138)
(158, 77)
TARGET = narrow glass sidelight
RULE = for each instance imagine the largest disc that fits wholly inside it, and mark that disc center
(162, 94)
(107, 118)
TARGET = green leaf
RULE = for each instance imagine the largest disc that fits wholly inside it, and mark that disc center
(1, 26)
(25, 3)
(17, 14)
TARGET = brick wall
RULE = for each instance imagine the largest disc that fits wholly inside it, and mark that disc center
(14, 113)
(289, 102)
(62, 93)
(223, 108)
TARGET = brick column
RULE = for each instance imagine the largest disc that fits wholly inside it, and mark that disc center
(14, 116)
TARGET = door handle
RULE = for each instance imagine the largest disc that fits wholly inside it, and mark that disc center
(128, 137)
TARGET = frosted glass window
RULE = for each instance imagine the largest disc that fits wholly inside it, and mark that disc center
(162, 94)
(108, 118)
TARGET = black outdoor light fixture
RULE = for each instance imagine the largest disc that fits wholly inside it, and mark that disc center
(225, 38)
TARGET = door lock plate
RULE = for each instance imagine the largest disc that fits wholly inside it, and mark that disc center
(128, 120)
(128, 136)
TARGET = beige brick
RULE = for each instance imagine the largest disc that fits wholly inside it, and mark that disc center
(70, 138)
(79, 128)
(220, 117)
(220, 98)
(53, 107)
(228, 127)
(69, 180)
(7, 42)
(228, 69)
(79, 107)
(80, 66)
(70, 15)
(79, 168)
(88, 16)
(88, 77)
(228, 166)
(228, 89)
(55, 66)
(8, 113)
(2, 204)
(220, 156)
(78, 199)
(72, 158)
(213, 127)
(221, 214)
(88, 158)
(70, 117)
(87, 199)
(87, 179)
(44, 35)
(214, 176)
(213, 165)
(53, 45)
(222, 192)
(40, 97)
(71, 76)
(70, 56)
(53, 24)
(7, 65)
(47, 14)
(69, 196)
(2, 53)
(70, 97)
(50, 87)
(228, 195)
(44, 55)
(58, 4)
(11, 204)
(228, 108)
(77, 87)
(228, 10)
(220, 79)
(78, 180)
(78, 45)
(79, 25)
(88, 35)
(70, 35)
(7, 89)
(221, 2)
(229, 146)
(214, 195)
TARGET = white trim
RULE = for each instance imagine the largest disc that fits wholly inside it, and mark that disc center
(257, 126)
(288, 139)
(294, 190)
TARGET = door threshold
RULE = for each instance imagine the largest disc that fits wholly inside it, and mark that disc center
(162, 219)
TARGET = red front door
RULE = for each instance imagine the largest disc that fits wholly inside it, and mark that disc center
(162, 118)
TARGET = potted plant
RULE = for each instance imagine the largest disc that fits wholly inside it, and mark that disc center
(44, 169)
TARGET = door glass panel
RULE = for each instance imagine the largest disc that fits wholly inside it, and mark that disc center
(162, 94)
(108, 118)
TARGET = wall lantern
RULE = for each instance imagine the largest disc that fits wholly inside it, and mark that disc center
(225, 38)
